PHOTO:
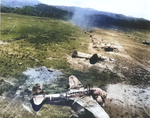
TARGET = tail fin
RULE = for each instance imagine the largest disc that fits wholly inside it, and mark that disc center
(74, 83)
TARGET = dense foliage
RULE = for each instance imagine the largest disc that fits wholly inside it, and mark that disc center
(40, 10)
(121, 22)
(82, 19)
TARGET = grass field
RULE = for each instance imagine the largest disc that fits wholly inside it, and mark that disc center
(27, 43)
(33, 39)
(30, 42)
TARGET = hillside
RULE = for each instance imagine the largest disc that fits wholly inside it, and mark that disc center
(41, 10)
(31, 42)
(89, 18)
(117, 22)
(83, 17)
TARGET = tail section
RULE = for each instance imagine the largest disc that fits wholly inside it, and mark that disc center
(74, 83)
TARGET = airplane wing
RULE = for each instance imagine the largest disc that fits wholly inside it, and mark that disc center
(91, 105)
(86, 101)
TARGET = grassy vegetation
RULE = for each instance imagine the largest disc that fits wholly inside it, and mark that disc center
(41, 10)
(33, 40)
(136, 49)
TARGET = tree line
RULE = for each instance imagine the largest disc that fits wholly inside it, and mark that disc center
(40, 10)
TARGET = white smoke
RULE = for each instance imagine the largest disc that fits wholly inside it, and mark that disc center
(41, 75)
(81, 17)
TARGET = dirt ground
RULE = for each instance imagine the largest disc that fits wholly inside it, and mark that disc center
(131, 98)
(128, 99)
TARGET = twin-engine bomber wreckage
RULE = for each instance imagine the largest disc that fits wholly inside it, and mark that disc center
(85, 101)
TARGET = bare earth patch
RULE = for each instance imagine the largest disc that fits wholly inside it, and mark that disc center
(99, 38)
(128, 101)
(124, 100)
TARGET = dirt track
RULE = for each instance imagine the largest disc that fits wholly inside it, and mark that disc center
(124, 100)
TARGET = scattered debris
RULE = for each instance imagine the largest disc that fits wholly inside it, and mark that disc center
(100, 43)
(107, 49)
(80, 55)
(91, 35)
(146, 42)
(94, 59)
(20, 63)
